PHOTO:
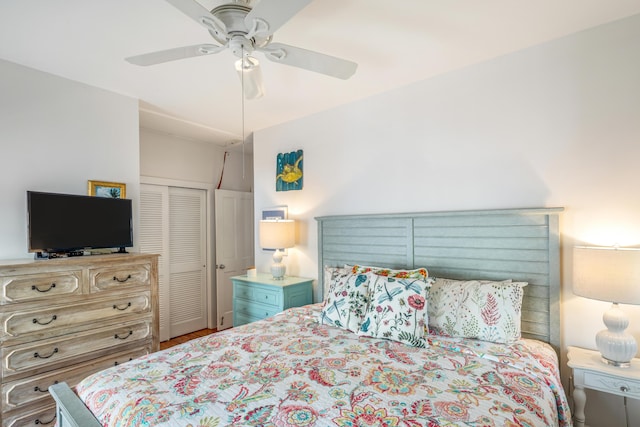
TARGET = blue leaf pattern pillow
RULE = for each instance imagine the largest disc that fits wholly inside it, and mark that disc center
(346, 301)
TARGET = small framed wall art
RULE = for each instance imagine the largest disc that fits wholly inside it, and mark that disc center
(278, 212)
(114, 190)
(289, 167)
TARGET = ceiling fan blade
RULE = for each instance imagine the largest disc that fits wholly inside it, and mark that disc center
(310, 60)
(174, 54)
(269, 15)
(202, 16)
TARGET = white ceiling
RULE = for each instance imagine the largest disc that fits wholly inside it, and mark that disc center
(395, 42)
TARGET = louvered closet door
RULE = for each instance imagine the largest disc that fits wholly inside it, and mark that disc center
(187, 259)
(154, 239)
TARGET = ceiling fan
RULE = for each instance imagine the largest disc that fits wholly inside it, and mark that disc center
(245, 29)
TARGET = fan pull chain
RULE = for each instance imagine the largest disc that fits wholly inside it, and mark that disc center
(242, 106)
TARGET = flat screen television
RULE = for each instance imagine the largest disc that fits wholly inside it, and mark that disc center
(66, 223)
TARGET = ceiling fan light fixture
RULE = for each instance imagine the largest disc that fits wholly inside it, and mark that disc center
(248, 69)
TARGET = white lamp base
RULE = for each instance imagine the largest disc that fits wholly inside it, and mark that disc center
(278, 268)
(615, 345)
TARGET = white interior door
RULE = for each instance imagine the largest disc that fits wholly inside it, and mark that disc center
(187, 260)
(154, 239)
(234, 247)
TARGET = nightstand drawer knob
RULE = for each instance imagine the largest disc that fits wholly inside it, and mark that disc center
(624, 388)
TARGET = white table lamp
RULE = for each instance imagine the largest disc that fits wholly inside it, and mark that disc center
(613, 275)
(277, 234)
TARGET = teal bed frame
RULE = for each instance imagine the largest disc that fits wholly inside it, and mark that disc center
(517, 244)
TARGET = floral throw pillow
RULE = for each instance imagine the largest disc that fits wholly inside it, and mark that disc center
(346, 301)
(418, 273)
(484, 310)
(397, 310)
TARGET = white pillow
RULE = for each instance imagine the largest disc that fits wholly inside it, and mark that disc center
(329, 274)
(485, 310)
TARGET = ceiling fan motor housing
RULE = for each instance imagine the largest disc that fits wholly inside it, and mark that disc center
(233, 16)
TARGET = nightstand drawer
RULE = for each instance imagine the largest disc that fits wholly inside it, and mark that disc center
(257, 294)
(256, 310)
(623, 386)
(265, 296)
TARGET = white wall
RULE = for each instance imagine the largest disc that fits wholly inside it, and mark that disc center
(553, 125)
(178, 158)
(55, 134)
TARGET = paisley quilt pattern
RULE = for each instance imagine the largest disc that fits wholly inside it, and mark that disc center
(289, 370)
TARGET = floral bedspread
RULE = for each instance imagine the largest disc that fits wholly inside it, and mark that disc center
(291, 371)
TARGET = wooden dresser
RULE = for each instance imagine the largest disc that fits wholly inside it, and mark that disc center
(63, 319)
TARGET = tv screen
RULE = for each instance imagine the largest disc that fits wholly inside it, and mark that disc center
(66, 222)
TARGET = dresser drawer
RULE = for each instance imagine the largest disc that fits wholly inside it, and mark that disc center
(120, 277)
(16, 324)
(49, 354)
(34, 390)
(31, 287)
(609, 384)
(258, 294)
(42, 416)
(255, 310)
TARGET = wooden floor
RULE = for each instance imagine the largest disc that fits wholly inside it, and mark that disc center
(184, 338)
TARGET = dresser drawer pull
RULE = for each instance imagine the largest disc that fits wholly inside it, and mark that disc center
(121, 309)
(123, 337)
(45, 422)
(35, 288)
(36, 388)
(117, 363)
(38, 356)
(54, 317)
(122, 280)
(624, 388)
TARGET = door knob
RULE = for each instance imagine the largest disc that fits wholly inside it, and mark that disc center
(221, 266)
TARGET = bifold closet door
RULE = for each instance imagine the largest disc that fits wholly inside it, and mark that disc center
(187, 260)
(154, 239)
(173, 225)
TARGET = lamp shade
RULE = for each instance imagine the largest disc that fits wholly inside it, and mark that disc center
(248, 70)
(607, 274)
(277, 234)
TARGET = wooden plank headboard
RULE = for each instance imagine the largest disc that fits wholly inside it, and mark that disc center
(517, 244)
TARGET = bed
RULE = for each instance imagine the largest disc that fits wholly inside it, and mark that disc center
(310, 366)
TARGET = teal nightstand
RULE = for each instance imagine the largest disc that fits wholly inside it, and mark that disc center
(255, 298)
